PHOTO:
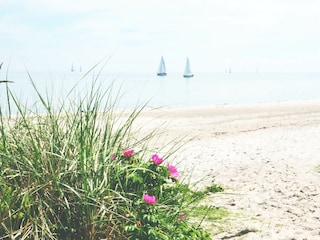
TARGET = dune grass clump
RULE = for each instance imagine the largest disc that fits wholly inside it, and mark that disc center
(78, 172)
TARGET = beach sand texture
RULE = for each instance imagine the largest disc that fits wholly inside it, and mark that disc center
(264, 155)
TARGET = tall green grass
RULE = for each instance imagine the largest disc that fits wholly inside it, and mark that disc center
(63, 174)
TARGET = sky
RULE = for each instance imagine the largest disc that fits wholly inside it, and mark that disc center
(245, 35)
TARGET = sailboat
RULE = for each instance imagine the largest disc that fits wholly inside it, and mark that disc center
(162, 68)
(187, 71)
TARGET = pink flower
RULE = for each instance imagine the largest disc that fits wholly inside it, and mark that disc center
(113, 156)
(173, 171)
(156, 160)
(127, 152)
(182, 217)
(149, 199)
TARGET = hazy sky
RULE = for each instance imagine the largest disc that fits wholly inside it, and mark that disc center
(268, 35)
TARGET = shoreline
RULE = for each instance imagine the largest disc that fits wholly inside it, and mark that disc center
(264, 155)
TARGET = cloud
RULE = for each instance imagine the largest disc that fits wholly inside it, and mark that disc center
(208, 30)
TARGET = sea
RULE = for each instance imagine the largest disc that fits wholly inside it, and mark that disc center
(131, 90)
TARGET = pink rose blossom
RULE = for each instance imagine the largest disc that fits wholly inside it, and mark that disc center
(127, 152)
(182, 217)
(173, 171)
(149, 199)
(156, 159)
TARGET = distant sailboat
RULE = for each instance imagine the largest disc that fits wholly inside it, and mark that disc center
(5, 81)
(187, 70)
(72, 68)
(162, 68)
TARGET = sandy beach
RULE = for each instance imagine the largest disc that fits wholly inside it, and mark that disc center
(264, 155)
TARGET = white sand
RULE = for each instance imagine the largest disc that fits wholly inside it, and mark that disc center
(265, 155)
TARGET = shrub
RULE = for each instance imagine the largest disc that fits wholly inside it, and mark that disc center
(68, 174)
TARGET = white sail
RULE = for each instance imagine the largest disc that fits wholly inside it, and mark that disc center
(162, 68)
(187, 70)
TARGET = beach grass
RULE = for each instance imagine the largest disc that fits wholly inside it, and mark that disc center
(78, 171)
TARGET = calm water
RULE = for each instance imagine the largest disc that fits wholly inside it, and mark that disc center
(172, 90)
